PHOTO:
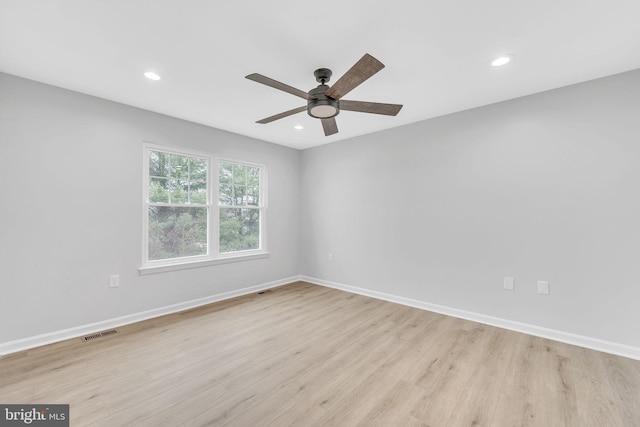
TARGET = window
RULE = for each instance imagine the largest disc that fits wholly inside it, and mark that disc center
(182, 224)
(239, 201)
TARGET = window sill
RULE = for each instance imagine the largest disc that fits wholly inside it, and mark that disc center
(185, 265)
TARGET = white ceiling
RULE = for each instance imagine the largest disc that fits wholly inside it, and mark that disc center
(436, 54)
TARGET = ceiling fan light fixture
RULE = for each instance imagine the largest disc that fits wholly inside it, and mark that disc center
(320, 105)
(323, 111)
(323, 108)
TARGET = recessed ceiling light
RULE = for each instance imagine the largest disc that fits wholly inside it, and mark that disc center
(151, 75)
(298, 127)
(501, 60)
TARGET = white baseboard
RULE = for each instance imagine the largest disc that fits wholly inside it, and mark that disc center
(565, 337)
(569, 338)
(78, 331)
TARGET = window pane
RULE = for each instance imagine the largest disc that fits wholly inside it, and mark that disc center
(239, 195)
(240, 175)
(239, 229)
(178, 191)
(253, 196)
(197, 169)
(253, 177)
(226, 195)
(158, 163)
(158, 190)
(226, 173)
(179, 167)
(177, 232)
(198, 192)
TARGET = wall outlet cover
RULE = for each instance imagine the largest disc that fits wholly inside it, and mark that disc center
(509, 283)
(114, 281)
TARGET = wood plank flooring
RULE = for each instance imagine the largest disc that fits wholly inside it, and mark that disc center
(305, 355)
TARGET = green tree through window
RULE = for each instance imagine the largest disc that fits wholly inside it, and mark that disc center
(239, 202)
(180, 215)
(177, 207)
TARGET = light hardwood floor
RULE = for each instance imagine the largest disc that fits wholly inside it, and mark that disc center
(305, 355)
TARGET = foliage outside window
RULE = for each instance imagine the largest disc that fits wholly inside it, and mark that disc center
(181, 221)
(239, 202)
(178, 210)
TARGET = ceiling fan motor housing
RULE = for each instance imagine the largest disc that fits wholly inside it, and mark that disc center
(322, 106)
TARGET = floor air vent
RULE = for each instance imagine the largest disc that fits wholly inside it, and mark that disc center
(99, 335)
(266, 291)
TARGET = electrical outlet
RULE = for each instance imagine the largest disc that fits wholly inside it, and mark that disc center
(509, 283)
(543, 287)
(330, 257)
(114, 281)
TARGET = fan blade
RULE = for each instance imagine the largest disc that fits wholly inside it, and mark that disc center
(282, 115)
(330, 126)
(366, 67)
(370, 107)
(277, 85)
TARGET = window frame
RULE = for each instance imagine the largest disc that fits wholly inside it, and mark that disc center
(212, 205)
(262, 207)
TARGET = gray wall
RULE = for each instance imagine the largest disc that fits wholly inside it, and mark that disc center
(545, 187)
(71, 210)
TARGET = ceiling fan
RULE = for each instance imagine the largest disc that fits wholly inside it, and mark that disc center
(325, 102)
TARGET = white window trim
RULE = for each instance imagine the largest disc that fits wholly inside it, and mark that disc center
(214, 257)
(187, 263)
